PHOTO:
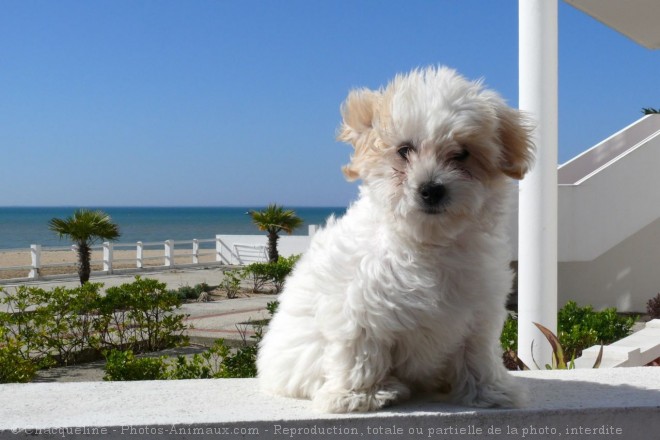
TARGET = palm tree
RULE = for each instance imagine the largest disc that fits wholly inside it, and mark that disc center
(273, 220)
(84, 228)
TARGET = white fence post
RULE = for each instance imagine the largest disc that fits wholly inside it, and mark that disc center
(311, 230)
(107, 257)
(195, 251)
(35, 252)
(139, 250)
(169, 253)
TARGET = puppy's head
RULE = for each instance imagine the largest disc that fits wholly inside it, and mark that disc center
(433, 147)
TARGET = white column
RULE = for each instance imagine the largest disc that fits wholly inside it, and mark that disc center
(195, 251)
(35, 253)
(139, 254)
(537, 251)
(107, 257)
(312, 230)
(169, 253)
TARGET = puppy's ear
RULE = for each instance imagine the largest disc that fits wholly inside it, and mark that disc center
(358, 114)
(358, 117)
(515, 135)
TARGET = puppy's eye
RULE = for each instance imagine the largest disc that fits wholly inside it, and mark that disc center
(405, 150)
(461, 156)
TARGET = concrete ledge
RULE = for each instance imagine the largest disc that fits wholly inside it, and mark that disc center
(619, 403)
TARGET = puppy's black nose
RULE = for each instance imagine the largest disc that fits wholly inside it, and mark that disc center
(432, 193)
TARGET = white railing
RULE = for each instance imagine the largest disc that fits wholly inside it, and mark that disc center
(109, 258)
(636, 350)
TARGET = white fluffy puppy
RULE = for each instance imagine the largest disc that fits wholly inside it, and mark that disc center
(407, 290)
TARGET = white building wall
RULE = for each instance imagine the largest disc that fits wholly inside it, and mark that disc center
(609, 230)
(286, 246)
(625, 277)
(611, 204)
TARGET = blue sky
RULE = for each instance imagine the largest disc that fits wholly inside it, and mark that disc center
(228, 102)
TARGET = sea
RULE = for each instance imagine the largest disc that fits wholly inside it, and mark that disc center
(21, 227)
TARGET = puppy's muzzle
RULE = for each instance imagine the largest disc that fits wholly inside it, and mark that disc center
(432, 196)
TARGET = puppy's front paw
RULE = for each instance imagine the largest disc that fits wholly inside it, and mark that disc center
(375, 398)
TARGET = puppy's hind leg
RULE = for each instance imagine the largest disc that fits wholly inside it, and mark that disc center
(358, 379)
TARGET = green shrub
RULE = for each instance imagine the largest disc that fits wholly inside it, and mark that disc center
(115, 327)
(50, 326)
(69, 329)
(282, 269)
(231, 283)
(243, 363)
(24, 324)
(509, 336)
(217, 362)
(263, 274)
(582, 327)
(42, 328)
(124, 365)
(258, 274)
(191, 292)
(14, 366)
(272, 307)
(185, 292)
(139, 316)
(150, 309)
(578, 328)
(195, 367)
(559, 359)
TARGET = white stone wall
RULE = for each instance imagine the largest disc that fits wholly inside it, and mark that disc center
(619, 403)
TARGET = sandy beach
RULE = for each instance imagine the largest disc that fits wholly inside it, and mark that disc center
(66, 260)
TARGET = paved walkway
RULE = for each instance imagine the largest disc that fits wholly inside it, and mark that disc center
(228, 319)
(174, 278)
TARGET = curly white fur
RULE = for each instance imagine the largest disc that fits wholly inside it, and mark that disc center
(405, 293)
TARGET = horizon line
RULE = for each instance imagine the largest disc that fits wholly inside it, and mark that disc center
(167, 206)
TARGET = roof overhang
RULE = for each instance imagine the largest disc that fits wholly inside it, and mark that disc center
(639, 20)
